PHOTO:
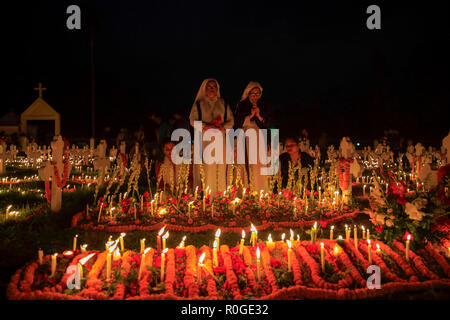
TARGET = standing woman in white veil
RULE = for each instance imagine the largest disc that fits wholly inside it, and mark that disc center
(214, 113)
(252, 112)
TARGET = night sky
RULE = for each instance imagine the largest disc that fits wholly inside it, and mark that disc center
(319, 65)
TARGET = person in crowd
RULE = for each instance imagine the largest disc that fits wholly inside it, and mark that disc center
(292, 160)
(253, 112)
(215, 114)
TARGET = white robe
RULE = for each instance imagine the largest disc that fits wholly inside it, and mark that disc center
(215, 174)
(258, 181)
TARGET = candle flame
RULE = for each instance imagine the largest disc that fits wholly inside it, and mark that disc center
(111, 248)
(292, 233)
(123, 234)
(215, 244)
(218, 233)
(184, 239)
(161, 231)
(147, 250)
(162, 211)
(55, 255)
(86, 259)
(243, 234)
(340, 237)
(408, 237)
(332, 227)
(378, 247)
(315, 225)
(368, 242)
(9, 207)
(289, 243)
(165, 250)
(68, 253)
(283, 236)
(202, 257)
(321, 244)
(269, 238)
(84, 246)
(258, 254)
(190, 203)
(253, 228)
(362, 227)
(166, 235)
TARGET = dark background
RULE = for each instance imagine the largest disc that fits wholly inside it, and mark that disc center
(319, 65)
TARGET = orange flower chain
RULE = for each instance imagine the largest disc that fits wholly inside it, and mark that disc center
(191, 273)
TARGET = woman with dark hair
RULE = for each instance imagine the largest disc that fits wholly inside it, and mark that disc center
(252, 112)
(293, 158)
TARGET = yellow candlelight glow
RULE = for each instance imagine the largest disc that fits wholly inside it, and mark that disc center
(165, 237)
(283, 236)
(241, 246)
(215, 261)
(322, 257)
(289, 254)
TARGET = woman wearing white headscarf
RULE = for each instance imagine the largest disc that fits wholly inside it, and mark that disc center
(254, 113)
(214, 113)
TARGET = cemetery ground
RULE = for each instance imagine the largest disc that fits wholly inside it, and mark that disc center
(21, 238)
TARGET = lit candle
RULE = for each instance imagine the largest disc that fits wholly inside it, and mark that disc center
(368, 234)
(363, 232)
(158, 239)
(152, 203)
(83, 247)
(142, 245)
(292, 235)
(378, 247)
(163, 263)
(7, 211)
(181, 245)
(258, 267)
(189, 209)
(322, 256)
(369, 250)
(289, 254)
(40, 255)
(195, 193)
(53, 265)
(269, 242)
(408, 238)
(164, 238)
(122, 246)
(313, 236)
(331, 232)
(217, 237)
(347, 233)
(82, 262)
(75, 243)
(254, 235)
(199, 264)
(355, 236)
(215, 261)
(142, 266)
(241, 247)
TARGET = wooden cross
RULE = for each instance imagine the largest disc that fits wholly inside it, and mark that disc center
(40, 89)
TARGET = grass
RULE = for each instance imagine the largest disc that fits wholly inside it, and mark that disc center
(20, 240)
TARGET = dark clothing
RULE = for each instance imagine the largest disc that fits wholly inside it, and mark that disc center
(244, 108)
(305, 159)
